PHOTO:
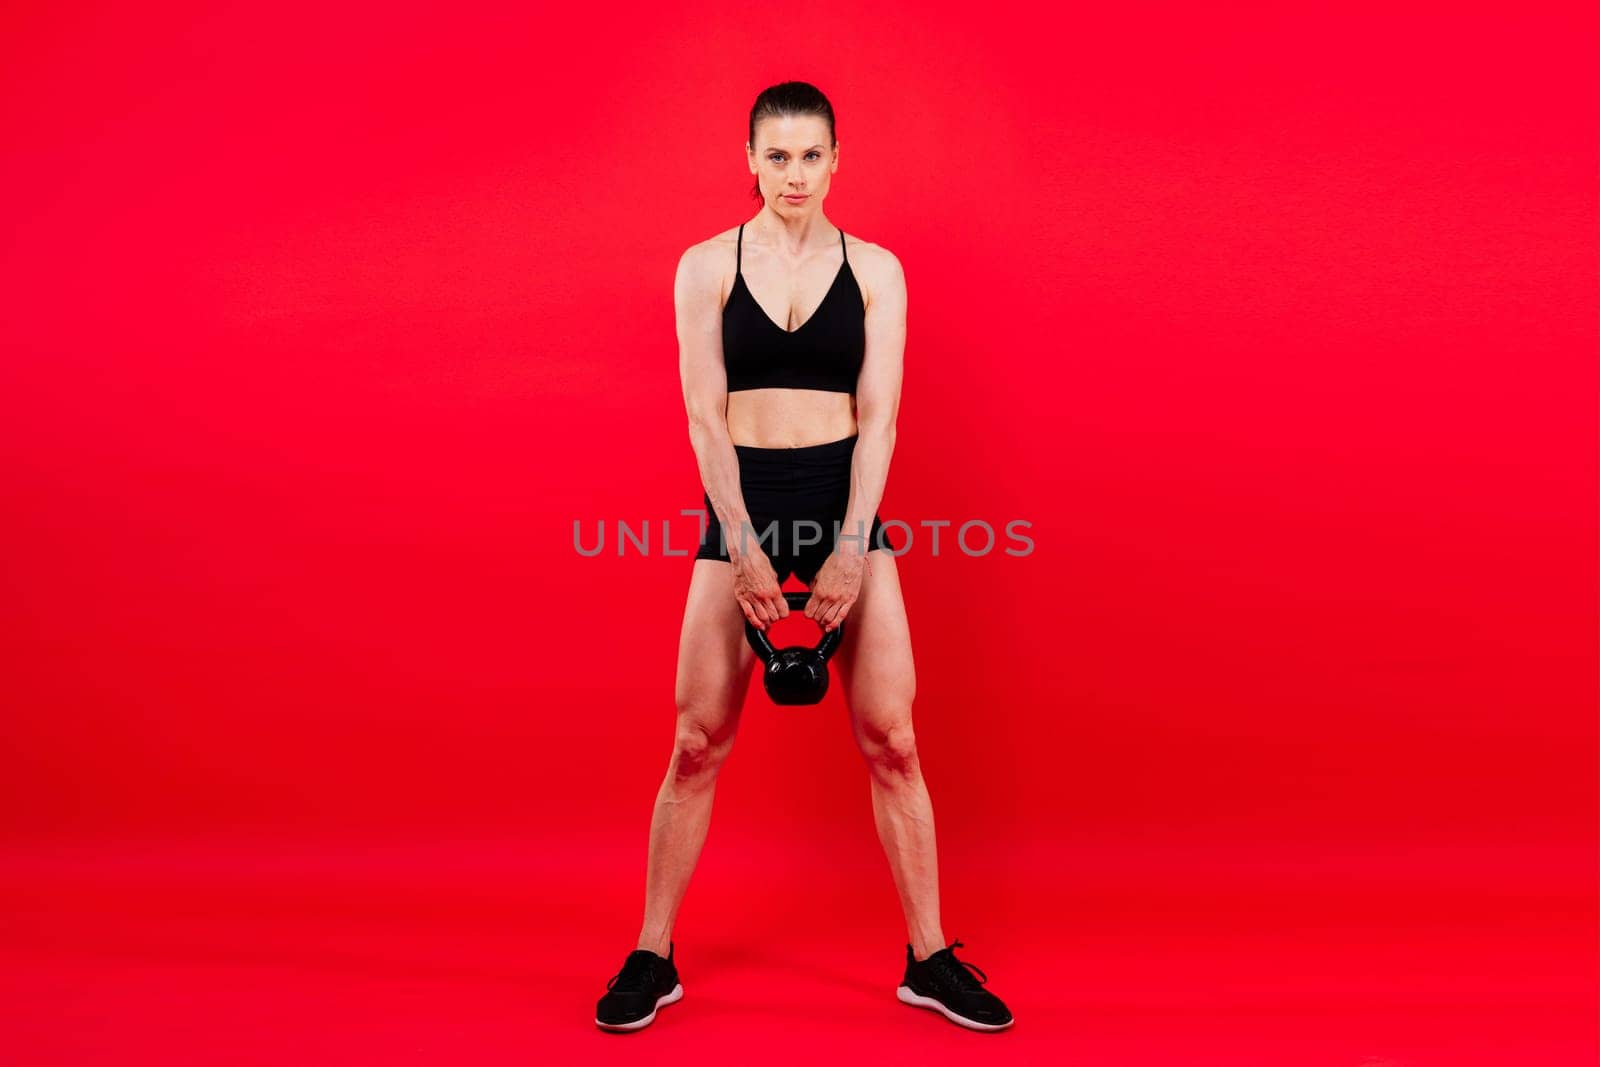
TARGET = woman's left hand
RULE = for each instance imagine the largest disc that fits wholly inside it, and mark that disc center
(835, 588)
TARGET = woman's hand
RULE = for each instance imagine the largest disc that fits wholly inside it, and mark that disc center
(756, 587)
(834, 590)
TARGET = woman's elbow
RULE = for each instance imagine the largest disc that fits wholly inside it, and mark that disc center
(704, 423)
(876, 423)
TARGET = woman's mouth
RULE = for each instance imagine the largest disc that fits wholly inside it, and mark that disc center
(794, 198)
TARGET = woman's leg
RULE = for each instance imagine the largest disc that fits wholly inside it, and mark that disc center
(880, 683)
(714, 663)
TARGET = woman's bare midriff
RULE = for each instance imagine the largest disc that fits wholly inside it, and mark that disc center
(789, 418)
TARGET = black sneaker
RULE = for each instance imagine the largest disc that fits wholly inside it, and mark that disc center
(645, 983)
(945, 984)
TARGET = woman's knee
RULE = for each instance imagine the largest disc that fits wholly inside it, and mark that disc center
(701, 743)
(889, 744)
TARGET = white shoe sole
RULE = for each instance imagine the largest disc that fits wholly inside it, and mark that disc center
(908, 997)
(670, 998)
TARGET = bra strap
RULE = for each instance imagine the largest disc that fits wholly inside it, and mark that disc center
(738, 252)
(842, 248)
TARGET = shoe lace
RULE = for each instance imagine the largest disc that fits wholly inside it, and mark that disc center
(638, 972)
(958, 973)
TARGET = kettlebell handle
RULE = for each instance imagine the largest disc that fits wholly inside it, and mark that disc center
(797, 601)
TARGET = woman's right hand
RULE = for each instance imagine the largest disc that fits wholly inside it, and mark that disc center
(756, 587)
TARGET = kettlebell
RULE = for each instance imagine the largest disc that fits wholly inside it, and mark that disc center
(797, 674)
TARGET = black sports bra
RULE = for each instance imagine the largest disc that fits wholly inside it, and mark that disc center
(824, 352)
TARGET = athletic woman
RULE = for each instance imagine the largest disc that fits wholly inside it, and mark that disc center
(791, 336)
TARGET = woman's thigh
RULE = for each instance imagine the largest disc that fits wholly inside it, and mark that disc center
(875, 661)
(714, 659)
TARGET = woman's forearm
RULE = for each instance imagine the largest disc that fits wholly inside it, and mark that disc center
(719, 473)
(869, 472)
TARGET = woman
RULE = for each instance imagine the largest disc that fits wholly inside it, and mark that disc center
(792, 383)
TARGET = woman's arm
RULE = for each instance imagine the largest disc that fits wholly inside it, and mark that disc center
(697, 297)
(877, 399)
(877, 407)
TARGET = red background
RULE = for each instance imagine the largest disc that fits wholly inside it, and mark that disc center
(322, 327)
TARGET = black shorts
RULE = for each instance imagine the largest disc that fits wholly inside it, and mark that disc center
(796, 498)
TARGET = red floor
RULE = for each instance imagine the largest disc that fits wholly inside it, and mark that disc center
(495, 951)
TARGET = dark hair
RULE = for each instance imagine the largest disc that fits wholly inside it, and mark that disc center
(789, 98)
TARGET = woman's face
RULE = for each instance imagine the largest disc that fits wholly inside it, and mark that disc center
(793, 161)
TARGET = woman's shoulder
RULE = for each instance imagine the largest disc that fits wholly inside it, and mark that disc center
(872, 255)
(706, 263)
(717, 246)
(877, 269)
